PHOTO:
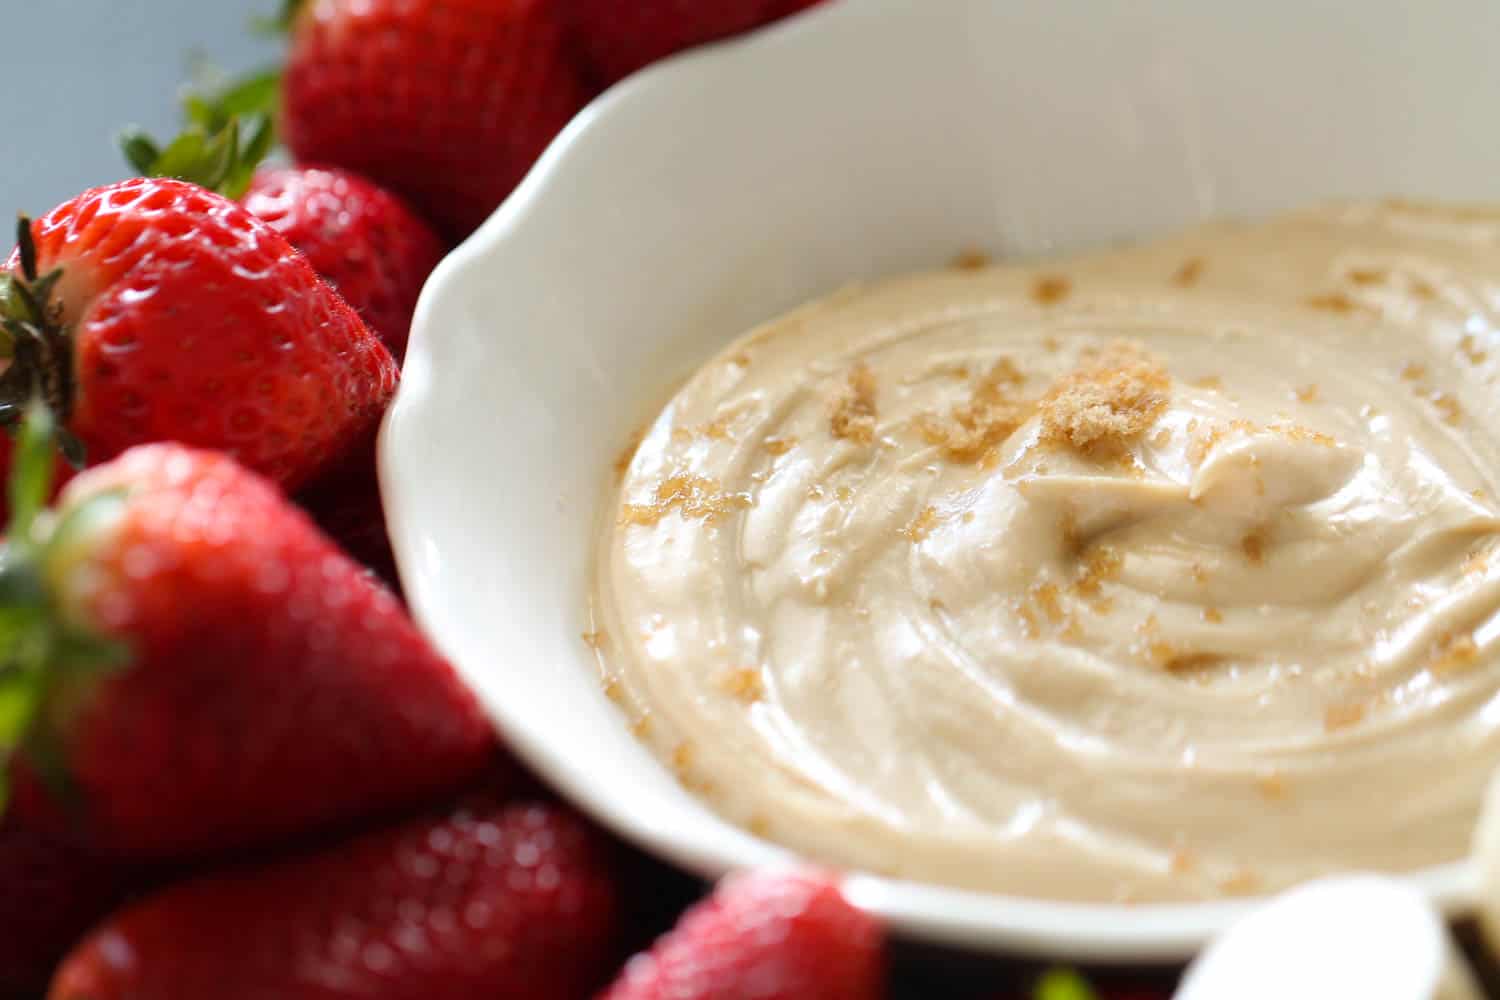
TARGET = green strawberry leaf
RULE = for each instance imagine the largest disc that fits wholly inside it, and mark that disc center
(31, 472)
(222, 161)
(141, 151)
(259, 93)
(279, 23)
(1063, 984)
(45, 657)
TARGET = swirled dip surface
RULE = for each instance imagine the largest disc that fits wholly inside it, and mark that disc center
(1165, 573)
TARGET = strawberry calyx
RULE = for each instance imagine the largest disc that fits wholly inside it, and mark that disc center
(1063, 984)
(44, 653)
(38, 346)
(222, 159)
(229, 129)
(282, 21)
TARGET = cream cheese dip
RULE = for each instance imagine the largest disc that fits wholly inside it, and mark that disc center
(1164, 573)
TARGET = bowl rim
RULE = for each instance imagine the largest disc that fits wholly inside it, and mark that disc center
(1124, 933)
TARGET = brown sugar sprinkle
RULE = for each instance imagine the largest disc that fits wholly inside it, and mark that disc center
(1028, 620)
(1307, 393)
(1344, 715)
(641, 728)
(1254, 547)
(759, 825)
(682, 435)
(1299, 433)
(1476, 563)
(1423, 290)
(1183, 861)
(1106, 401)
(744, 684)
(627, 454)
(921, 525)
(593, 640)
(1367, 276)
(741, 360)
(691, 496)
(1200, 574)
(613, 691)
(1242, 883)
(1213, 616)
(989, 416)
(682, 758)
(1051, 344)
(1455, 653)
(779, 445)
(1332, 302)
(1101, 565)
(1470, 349)
(1201, 444)
(1046, 597)
(1051, 289)
(1447, 406)
(971, 259)
(1188, 274)
(1175, 661)
(717, 429)
(1209, 382)
(851, 415)
(1414, 371)
(1271, 785)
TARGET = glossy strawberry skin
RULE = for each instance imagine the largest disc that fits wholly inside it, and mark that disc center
(193, 321)
(347, 506)
(615, 39)
(53, 893)
(446, 102)
(488, 902)
(365, 241)
(274, 687)
(766, 935)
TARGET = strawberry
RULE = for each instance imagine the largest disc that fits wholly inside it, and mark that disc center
(54, 892)
(763, 936)
(156, 310)
(446, 102)
(615, 39)
(487, 902)
(362, 239)
(346, 504)
(197, 669)
(365, 242)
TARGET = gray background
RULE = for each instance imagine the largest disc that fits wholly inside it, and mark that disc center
(77, 71)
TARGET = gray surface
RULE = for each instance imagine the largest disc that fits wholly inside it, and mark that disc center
(77, 71)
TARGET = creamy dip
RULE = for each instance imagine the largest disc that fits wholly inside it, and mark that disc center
(1163, 573)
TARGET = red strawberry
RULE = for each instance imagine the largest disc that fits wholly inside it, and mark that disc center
(364, 240)
(487, 903)
(53, 893)
(346, 504)
(156, 310)
(446, 102)
(763, 936)
(261, 683)
(616, 39)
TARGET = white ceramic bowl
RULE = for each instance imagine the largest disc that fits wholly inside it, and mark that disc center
(868, 137)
